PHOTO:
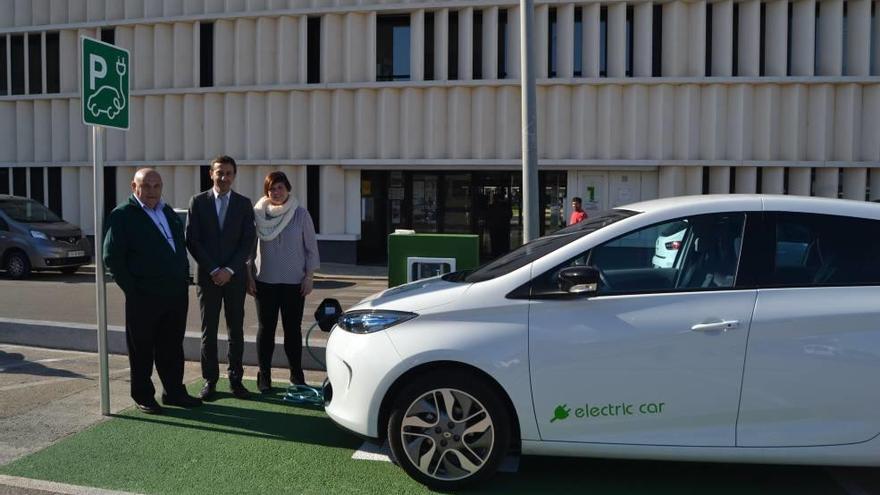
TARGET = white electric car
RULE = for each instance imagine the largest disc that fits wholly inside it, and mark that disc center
(762, 344)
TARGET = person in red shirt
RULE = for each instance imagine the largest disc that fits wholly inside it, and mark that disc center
(577, 214)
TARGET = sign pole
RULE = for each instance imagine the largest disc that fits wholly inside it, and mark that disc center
(529, 121)
(100, 284)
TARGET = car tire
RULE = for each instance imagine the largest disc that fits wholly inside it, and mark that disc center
(17, 265)
(69, 270)
(448, 430)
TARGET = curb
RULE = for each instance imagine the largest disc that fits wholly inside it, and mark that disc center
(90, 269)
(84, 337)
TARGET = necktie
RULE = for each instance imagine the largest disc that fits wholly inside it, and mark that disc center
(221, 216)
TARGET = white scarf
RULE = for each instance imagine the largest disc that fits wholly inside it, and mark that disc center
(271, 219)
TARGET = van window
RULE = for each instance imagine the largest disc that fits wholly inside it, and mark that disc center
(824, 250)
(694, 253)
(27, 211)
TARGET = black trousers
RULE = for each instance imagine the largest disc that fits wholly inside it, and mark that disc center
(230, 298)
(270, 299)
(154, 328)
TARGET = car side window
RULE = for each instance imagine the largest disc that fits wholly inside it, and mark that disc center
(825, 250)
(3, 225)
(694, 253)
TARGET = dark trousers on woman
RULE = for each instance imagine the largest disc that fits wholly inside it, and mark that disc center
(272, 298)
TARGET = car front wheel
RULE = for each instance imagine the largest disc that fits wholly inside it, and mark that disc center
(449, 429)
(17, 265)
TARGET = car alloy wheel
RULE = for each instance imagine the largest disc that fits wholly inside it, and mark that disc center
(447, 433)
(17, 266)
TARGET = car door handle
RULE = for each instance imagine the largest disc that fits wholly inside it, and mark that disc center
(723, 325)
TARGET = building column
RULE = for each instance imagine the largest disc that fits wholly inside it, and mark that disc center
(875, 184)
(616, 45)
(855, 182)
(858, 37)
(827, 182)
(799, 181)
(512, 49)
(565, 41)
(776, 38)
(719, 180)
(333, 197)
(772, 180)
(746, 180)
(830, 56)
(722, 39)
(303, 50)
(466, 44)
(693, 180)
(441, 44)
(749, 62)
(803, 32)
(590, 40)
(490, 43)
(672, 181)
(417, 45)
(642, 39)
(541, 30)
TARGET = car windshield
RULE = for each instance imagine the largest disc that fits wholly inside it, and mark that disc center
(531, 251)
(27, 211)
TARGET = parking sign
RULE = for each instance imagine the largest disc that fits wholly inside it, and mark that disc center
(105, 89)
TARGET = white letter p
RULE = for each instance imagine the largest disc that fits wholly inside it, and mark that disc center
(97, 69)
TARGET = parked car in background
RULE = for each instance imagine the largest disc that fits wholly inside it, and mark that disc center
(183, 214)
(32, 237)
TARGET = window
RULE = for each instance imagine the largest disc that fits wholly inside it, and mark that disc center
(843, 57)
(824, 250)
(452, 59)
(578, 42)
(19, 182)
(55, 189)
(35, 64)
(630, 13)
(4, 181)
(17, 62)
(552, 41)
(788, 40)
(108, 35)
(502, 44)
(709, 39)
(392, 48)
(37, 193)
(4, 88)
(53, 63)
(313, 194)
(735, 69)
(657, 41)
(477, 59)
(429, 46)
(603, 41)
(817, 63)
(314, 51)
(762, 42)
(206, 55)
(695, 253)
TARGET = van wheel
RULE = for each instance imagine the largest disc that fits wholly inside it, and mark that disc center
(17, 265)
(449, 430)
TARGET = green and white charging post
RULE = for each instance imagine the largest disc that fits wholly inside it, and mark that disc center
(104, 93)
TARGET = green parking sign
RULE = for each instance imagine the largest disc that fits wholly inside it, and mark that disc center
(105, 89)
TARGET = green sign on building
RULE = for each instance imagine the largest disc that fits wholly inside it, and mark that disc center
(105, 71)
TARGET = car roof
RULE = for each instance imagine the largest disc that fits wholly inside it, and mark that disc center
(757, 202)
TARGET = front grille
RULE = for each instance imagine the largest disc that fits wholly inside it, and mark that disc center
(73, 239)
(80, 260)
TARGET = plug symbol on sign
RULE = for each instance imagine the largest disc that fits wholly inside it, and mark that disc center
(561, 412)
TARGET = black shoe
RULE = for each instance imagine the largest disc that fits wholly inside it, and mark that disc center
(297, 378)
(183, 400)
(149, 406)
(264, 382)
(208, 392)
(238, 390)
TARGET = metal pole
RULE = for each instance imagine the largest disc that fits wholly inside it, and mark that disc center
(529, 121)
(100, 285)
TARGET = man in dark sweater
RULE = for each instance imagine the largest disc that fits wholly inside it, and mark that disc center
(145, 251)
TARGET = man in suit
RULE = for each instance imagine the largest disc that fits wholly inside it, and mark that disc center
(220, 235)
(145, 251)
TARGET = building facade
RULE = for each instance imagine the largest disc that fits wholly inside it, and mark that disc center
(393, 114)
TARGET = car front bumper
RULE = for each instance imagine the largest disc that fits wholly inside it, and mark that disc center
(359, 368)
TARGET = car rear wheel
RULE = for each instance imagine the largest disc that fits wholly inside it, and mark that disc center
(449, 430)
(17, 265)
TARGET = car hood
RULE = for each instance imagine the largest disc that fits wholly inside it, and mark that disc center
(415, 296)
(56, 229)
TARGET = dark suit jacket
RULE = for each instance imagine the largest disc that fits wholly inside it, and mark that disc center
(138, 255)
(213, 248)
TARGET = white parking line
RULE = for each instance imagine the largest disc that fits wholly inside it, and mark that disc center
(25, 362)
(113, 374)
(53, 487)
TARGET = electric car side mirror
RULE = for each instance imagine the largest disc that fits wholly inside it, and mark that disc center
(579, 280)
(328, 314)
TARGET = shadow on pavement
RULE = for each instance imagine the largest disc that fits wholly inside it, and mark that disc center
(15, 363)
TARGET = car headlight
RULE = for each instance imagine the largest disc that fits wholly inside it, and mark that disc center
(36, 234)
(369, 321)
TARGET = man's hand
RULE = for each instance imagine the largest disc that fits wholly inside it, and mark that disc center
(252, 287)
(306, 286)
(221, 277)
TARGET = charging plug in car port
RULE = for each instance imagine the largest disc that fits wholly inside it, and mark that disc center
(328, 313)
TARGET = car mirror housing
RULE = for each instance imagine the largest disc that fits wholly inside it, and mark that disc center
(579, 280)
